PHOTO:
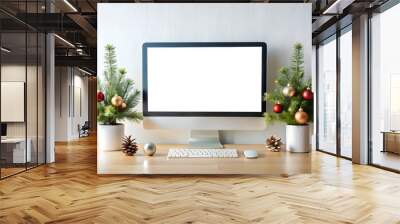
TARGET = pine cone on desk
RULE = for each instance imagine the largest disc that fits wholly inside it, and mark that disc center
(129, 146)
(273, 143)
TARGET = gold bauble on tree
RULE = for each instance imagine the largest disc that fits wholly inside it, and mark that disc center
(117, 101)
(301, 117)
(123, 105)
(288, 91)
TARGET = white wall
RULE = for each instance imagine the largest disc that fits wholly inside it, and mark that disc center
(61, 103)
(81, 82)
(128, 26)
(67, 115)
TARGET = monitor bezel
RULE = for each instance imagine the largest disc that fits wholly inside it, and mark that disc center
(147, 45)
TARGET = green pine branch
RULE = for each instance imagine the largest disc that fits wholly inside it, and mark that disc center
(293, 75)
(115, 83)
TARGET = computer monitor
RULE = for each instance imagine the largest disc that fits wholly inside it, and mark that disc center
(202, 79)
(3, 130)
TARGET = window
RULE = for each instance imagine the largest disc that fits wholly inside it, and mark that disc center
(385, 89)
(326, 136)
(334, 96)
(346, 93)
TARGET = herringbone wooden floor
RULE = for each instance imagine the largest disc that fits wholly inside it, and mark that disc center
(69, 191)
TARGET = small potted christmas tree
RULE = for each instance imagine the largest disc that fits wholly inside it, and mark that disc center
(116, 100)
(292, 101)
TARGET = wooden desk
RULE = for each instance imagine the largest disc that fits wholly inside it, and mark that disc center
(268, 163)
(391, 141)
(16, 153)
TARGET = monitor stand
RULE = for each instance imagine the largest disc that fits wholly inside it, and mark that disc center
(205, 140)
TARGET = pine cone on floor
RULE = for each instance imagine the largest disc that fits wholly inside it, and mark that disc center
(129, 146)
(274, 143)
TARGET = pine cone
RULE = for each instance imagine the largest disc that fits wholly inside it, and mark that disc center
(129, 146)
(274, 143)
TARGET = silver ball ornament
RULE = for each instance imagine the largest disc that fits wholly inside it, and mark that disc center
(288, 91)
(149, 149)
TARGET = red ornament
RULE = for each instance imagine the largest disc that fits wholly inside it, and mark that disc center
(100, 96)
(278, 108)
(307, 94)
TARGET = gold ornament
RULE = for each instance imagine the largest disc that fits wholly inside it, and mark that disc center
(301, 117)
(123, 106)
(289, 91)
(117, 101)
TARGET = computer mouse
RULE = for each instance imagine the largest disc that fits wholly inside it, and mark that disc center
(250, 154)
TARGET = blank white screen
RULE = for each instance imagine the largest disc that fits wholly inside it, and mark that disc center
(204, 79)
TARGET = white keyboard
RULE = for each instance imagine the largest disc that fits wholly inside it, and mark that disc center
(202, 153)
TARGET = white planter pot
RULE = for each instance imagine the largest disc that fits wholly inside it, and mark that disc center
(297, 138)
(109, 137)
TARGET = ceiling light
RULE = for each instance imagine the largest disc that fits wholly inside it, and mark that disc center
(5, 50)
(80, 51)
(338, 6)
(84, 71)
(65, 41)
(70, 5)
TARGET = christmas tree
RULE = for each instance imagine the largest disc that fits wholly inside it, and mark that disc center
(292, 98)
(116, 94)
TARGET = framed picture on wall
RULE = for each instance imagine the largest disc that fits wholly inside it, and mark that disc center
(12, 101)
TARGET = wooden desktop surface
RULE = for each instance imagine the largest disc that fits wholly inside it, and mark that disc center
(267, 163)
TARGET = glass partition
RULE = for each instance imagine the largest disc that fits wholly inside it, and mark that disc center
(22, 77)
(334, 94)
(326, 98)
(14, 153)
